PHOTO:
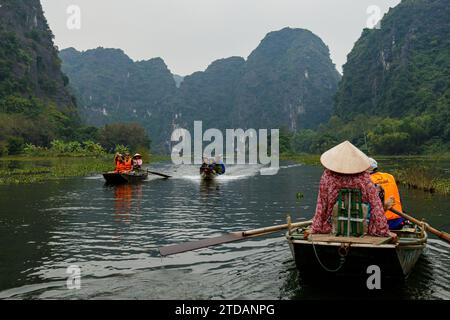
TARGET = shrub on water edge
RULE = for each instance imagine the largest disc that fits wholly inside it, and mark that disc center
(32, 150)
(60, 148)
(75, 147)
(120, 148)
(93, 148)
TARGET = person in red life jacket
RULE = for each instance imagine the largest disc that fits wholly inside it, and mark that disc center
(119, 162)
(116, 158)
(346, 167)
(128, 163)
(389, 195)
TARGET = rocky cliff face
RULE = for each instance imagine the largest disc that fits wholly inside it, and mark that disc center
(35, 103)
(29, 62)
(288, 81)
(210, 96)
(112, 88)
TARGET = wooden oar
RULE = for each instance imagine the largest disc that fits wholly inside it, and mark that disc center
(443, 235)
(159, 174)
(230, 237)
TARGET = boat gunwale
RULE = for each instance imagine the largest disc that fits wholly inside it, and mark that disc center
(123, 178)
(419, 243)
(406, 253)
(133, 175)
(338, 244)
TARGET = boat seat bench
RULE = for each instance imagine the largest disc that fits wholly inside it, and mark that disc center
(360, 240)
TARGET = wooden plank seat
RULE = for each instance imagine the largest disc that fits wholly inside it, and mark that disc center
(360, 240)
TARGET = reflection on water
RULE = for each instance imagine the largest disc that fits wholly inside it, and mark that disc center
(113, 234)
(209, 188)
(127, 202)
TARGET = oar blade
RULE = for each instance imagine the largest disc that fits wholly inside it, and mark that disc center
(160, 174)
(229, 237)
(194, 245)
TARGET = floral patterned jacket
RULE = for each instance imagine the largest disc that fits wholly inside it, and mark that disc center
(330, 184)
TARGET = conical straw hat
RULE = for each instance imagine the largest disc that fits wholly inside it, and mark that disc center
(345, 158)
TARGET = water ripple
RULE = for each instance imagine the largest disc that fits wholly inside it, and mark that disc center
(113, 235)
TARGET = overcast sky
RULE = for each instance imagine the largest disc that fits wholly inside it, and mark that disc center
(190, 34)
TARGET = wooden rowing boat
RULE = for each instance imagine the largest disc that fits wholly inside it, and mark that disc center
(121, 178)
(325, 255)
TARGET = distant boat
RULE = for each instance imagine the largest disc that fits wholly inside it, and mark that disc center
(208, 174)
(121, 178)
(350, 257)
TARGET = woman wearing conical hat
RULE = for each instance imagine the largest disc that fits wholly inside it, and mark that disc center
(346, 167)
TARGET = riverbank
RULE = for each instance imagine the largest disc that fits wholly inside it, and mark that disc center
(429, 173)
(26, 169)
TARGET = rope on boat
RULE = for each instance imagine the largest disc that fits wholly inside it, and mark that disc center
(343, 255)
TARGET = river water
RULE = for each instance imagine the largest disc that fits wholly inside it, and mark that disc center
(113, 234)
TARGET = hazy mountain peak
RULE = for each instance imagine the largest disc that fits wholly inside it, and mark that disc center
(288, 81)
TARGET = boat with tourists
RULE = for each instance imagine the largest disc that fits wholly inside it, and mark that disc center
(129, 170)
(350, 235)
(212, 168)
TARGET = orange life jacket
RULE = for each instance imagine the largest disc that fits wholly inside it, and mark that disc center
(120, 166)
(128, 164)
(389, 185)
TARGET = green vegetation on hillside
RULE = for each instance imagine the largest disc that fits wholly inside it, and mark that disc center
(396, 82)
(111, 88)
(91, 141)
(35, 105)
(374, 135)
(131, 135)
(38, 115)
